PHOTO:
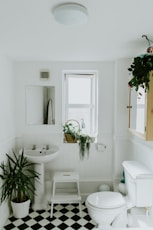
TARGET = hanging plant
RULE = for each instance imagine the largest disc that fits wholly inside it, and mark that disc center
(140, 69)
(84, 145)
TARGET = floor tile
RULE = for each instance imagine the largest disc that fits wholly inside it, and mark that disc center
(65, 217)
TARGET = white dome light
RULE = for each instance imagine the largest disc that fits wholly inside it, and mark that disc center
(70, 14)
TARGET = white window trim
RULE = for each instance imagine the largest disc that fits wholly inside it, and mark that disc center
(64, 94)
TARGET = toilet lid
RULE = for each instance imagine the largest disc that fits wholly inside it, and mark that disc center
(106, 200)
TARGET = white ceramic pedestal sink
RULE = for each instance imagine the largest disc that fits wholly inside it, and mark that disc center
(40, 156)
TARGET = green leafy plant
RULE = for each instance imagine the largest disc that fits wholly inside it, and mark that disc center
(123, 178)
(18, 177)
(69, 129)
(84, 145)
(71, 132)
(140, 69)
(83, 140)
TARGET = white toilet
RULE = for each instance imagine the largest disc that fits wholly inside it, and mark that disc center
(105, 207)
(139, 185)
(109, 208)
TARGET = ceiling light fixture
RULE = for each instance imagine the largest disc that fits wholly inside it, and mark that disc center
(70, 14)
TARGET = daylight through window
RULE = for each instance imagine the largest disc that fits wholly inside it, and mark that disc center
(80, 100)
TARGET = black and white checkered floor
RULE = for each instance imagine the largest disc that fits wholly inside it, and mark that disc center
(65, 216)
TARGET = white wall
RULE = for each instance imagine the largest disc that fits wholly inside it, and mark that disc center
(121, 149)
(127, 146)
(7, 128)
(112, 120)
(99, 165)
(141, 151)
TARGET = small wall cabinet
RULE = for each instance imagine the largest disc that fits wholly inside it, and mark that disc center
(140, 111)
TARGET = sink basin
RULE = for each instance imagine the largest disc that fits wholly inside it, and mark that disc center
(41, 155)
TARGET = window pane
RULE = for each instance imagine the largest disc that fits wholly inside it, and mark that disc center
(79, 89)
(79, 114)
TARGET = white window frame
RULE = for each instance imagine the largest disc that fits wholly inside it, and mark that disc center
(94, 97)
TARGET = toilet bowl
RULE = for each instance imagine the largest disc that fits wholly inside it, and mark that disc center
(105, 207)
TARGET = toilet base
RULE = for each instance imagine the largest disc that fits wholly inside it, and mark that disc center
(109, 221)
(137, 217)
(110, 211)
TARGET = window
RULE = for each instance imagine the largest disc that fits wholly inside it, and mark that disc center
(80, 99)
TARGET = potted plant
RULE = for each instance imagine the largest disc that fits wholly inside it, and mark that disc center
(84, 145)
(71, 131)
(18, 187)
(122, 185)
(141, 69)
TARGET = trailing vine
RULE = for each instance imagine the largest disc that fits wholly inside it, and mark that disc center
(140, 70)
(84, 145)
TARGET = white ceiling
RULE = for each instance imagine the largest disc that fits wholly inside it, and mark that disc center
(28, 30)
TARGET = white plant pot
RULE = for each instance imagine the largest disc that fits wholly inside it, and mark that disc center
(122, 188)
(20, 210)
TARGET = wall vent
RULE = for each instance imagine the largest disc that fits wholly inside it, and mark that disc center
(44, 75)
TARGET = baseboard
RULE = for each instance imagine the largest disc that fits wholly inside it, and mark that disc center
(4, 214)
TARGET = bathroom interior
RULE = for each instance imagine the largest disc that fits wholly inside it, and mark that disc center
(28, 50)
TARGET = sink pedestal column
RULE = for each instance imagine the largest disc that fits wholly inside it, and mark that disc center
(39, 157)
(40, 202)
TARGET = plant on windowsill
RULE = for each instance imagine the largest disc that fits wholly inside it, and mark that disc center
(84, 145)
(71, 131)
(18, 186)
(73, 134)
